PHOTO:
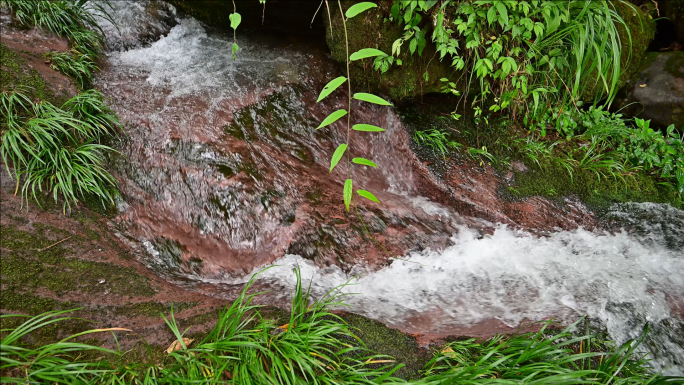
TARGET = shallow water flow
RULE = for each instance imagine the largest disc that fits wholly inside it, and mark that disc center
(223, 172)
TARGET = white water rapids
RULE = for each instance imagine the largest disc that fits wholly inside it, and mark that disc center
(622, 279)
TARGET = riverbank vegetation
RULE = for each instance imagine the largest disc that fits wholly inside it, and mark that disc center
(314, 346)
(60, 148)
(75, 20)
(543, 73)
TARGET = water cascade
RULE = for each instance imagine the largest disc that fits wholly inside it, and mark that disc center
(223, 173)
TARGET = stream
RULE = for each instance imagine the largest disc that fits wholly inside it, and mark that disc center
(223, 173)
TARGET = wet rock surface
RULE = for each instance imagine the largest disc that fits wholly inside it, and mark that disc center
(145, 21)
(54, 262)
(658, 92)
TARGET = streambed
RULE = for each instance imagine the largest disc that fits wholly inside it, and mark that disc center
(223, 173)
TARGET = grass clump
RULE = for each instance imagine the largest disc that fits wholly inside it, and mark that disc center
(436, 140)
(315, 346)
(58, 148)
(608, 145)
(541, 358)
(75, 20)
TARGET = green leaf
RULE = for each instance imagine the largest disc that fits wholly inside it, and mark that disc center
(235, 20)
(337, 155)
(367, 195)
(330, 87)
(358, 8)
(501, 7)
(364, 162)
(332, 118)
(347, 192)
(234, 50)
(367, 127)
(364, 53)
(491, 15)
(370, 98)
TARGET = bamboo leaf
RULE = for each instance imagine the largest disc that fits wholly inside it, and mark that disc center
(337, 155)
(367, 128)
(370, 98)
(364, 162)
(234, 50)
(330, 87)
(364, 53)
(347, 192)
(358, 8)
(367, 195)
(332, 118)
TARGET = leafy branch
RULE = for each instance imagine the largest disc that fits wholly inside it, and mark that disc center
(333, 85)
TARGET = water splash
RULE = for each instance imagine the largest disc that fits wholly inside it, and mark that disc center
(621, 279)
(136, 23)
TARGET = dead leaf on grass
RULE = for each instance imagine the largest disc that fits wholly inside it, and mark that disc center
(176, 345)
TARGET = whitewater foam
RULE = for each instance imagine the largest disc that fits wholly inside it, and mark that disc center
(620, 279)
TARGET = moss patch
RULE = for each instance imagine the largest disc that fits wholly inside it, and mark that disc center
(372, 29)
(17, 72)
(675, 64)
(27, 267)
(548, 179)
(383, 340)
(553, 181)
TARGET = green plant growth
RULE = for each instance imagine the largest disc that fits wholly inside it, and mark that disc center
(525, 55)
(544, 358)
(315, 346)
(353, 11)
(436, 140)
(608, 145)
(235, 20)
(76, 65)
(58, 148)
(75, 20)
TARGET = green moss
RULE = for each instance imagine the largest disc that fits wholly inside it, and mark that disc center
(150, 309)
(642, 30)
(553, 181)
(383, 340)
(16, 72)
(31, 304)
(675, 64)
(26, 266)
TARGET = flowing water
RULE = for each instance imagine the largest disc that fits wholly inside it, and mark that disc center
(223, 172)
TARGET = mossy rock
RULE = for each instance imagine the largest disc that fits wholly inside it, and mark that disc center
(658, 92)
(16, 72)
(373, 29)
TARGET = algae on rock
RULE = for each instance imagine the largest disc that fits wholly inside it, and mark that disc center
(16, 72)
